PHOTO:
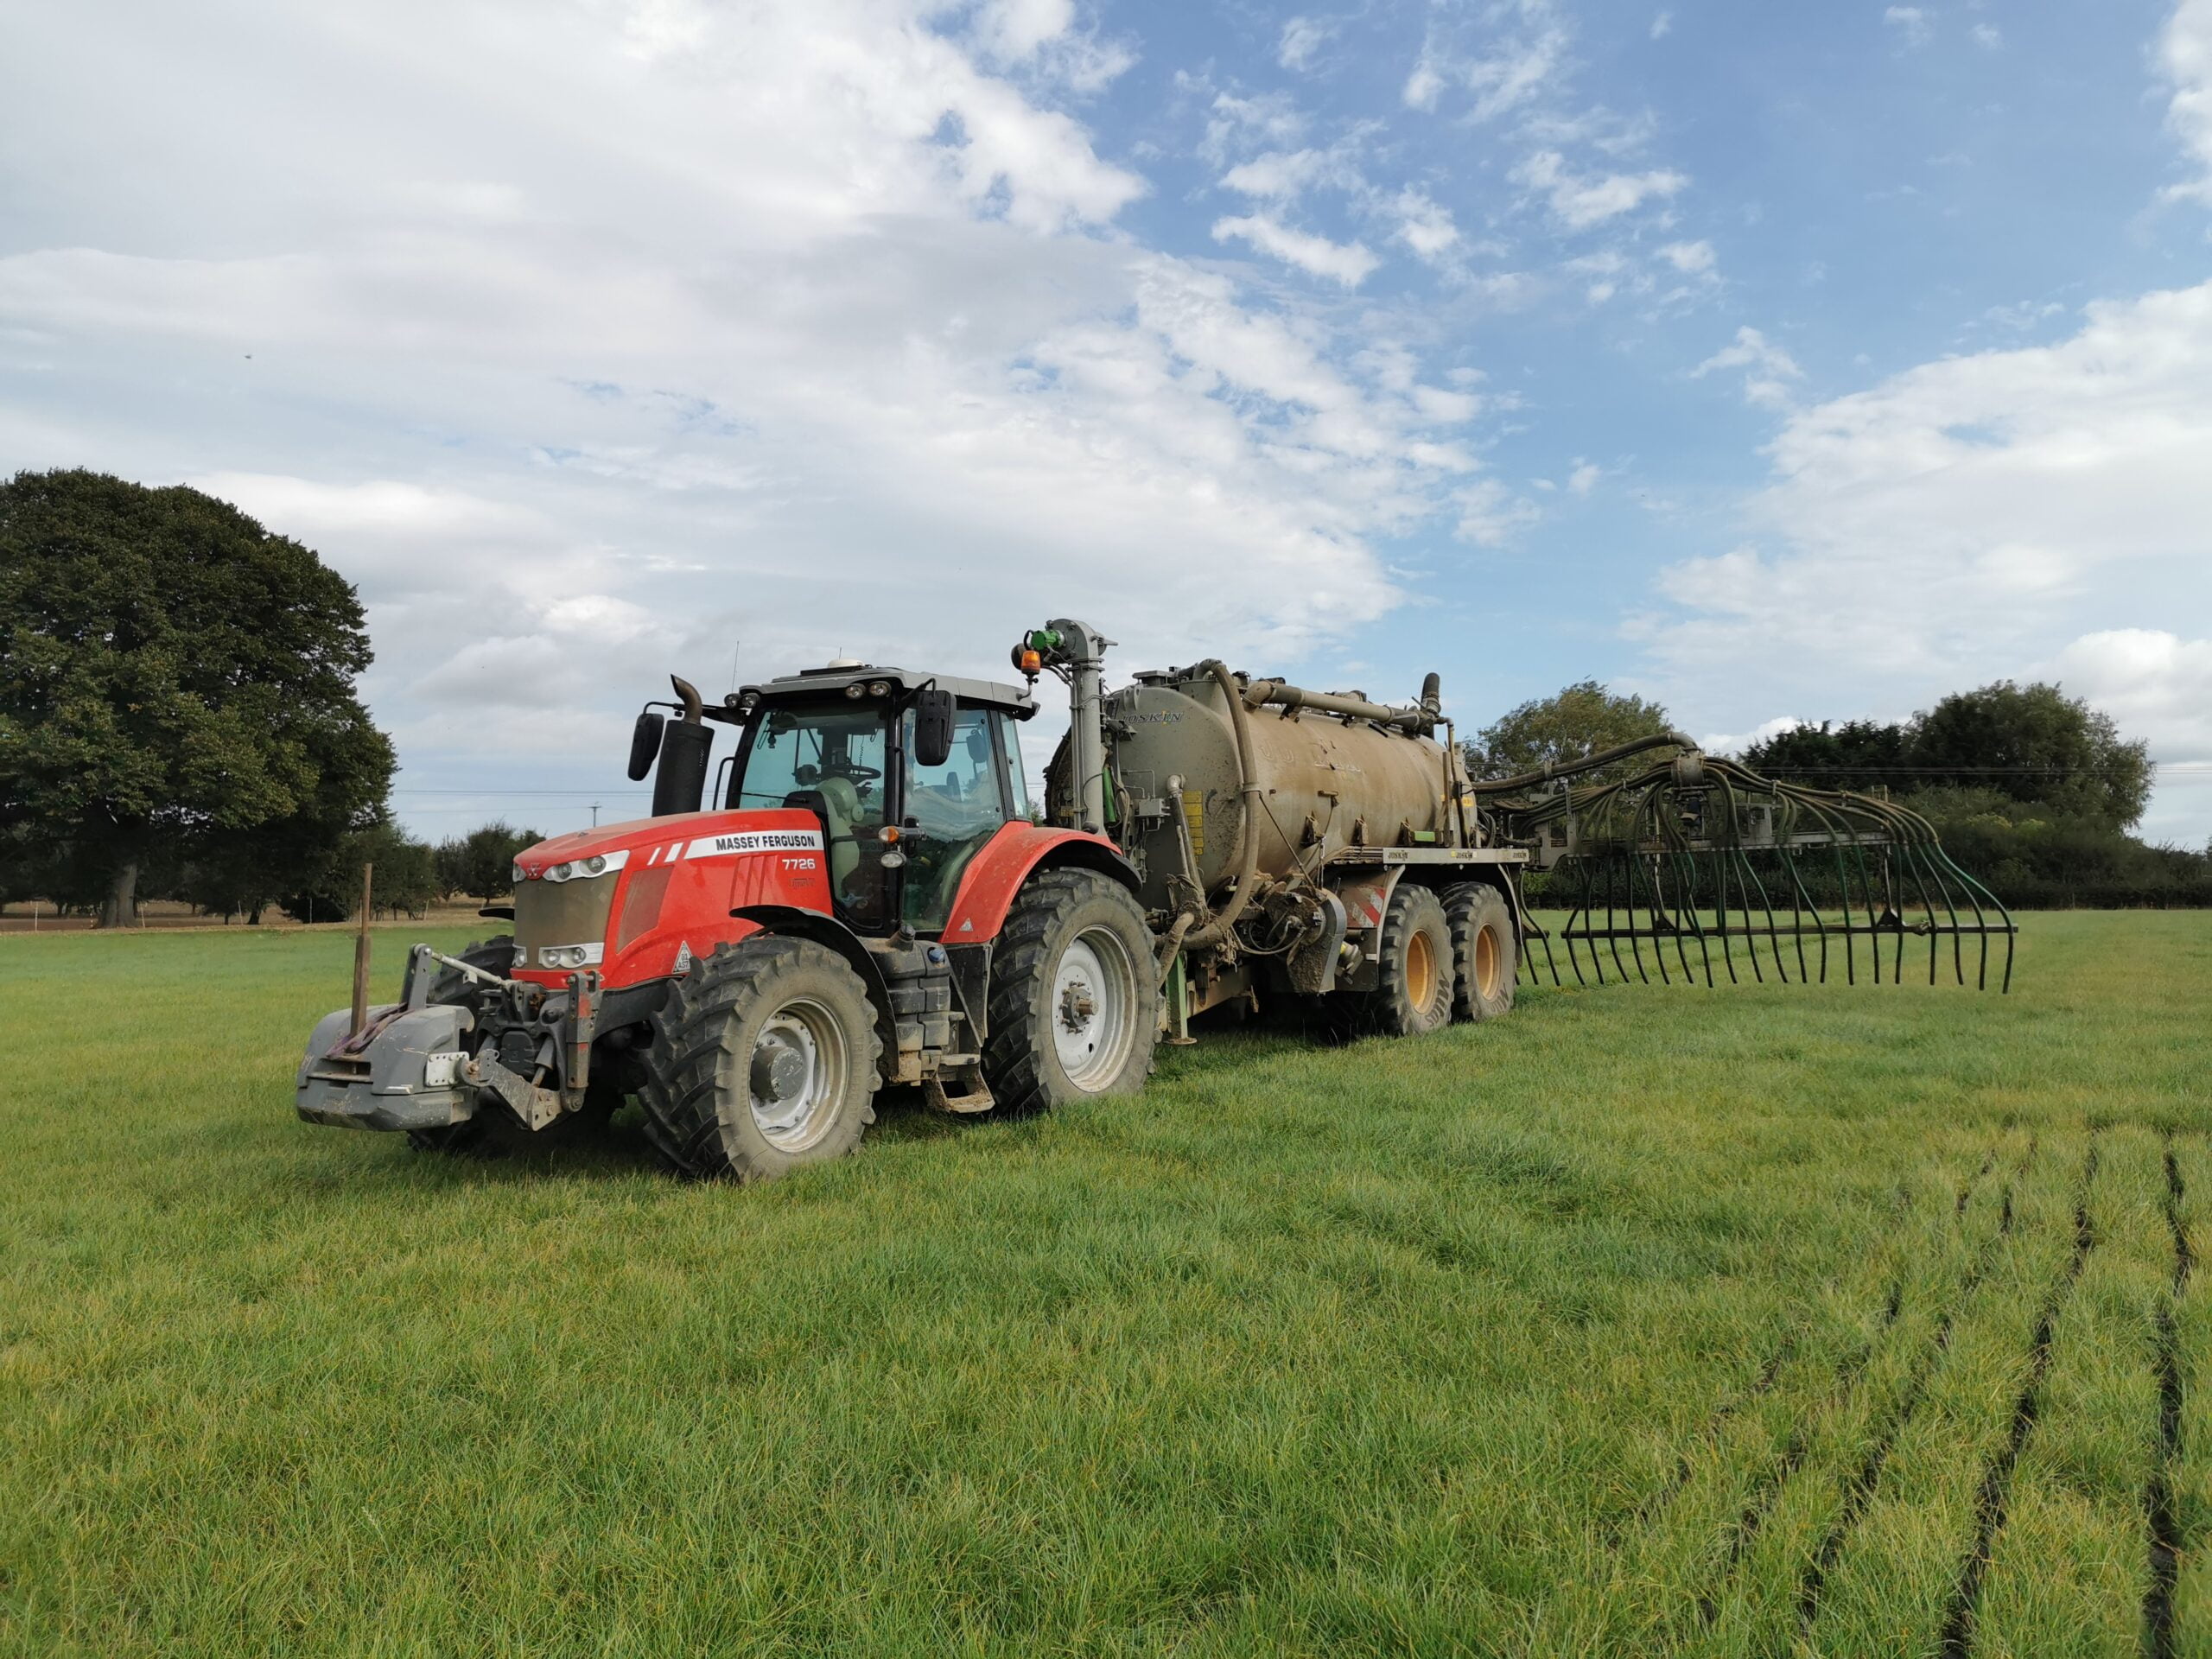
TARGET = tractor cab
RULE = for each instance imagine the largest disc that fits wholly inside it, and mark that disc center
(909, 775)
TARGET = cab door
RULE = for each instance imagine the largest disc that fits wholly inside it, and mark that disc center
(950, 811)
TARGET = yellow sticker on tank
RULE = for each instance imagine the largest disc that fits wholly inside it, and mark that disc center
(1194, 813)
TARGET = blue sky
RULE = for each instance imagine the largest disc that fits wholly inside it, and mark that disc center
(1777, 361)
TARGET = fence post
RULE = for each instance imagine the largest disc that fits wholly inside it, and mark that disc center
(361, 955)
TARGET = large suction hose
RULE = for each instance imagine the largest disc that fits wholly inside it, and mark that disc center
(1552, 769)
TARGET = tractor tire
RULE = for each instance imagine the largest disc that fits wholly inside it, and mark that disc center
(764, 1058)
(1412, 975)
(1074, 999)
(1482, 951)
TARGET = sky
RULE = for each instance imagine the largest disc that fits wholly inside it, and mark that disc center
(1777, 362)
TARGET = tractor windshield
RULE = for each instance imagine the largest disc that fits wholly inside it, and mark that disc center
(827, 761)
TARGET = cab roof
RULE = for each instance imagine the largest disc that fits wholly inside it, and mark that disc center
(810, 683)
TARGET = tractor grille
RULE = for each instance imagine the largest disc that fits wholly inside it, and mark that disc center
(561, 913)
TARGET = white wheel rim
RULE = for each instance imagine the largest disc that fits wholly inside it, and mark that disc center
(1093, 1009)
(795, 1074)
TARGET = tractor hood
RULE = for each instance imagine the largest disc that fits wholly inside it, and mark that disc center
(641, 900)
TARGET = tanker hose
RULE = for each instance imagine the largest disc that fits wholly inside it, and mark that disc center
(1248, 859)
(1552, 769)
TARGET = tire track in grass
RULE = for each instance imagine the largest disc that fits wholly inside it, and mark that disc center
(1957, 1639)
(2158, 1497)
(1763, 1382)
(1849, 1372)
(1868, 1476)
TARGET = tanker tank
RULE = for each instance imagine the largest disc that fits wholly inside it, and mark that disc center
(1332, 772)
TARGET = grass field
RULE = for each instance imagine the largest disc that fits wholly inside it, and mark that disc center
(1743, 1322)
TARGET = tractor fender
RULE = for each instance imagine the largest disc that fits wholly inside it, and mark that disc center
(785, 921)
(996, 874)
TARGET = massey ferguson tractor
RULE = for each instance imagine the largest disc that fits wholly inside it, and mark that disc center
(871, 898)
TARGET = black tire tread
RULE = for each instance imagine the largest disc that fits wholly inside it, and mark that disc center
(1012, 1064)
(1462, 903)
(677, 1096)
(1378, 1012)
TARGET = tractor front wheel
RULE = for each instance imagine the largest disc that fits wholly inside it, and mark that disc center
(1074, 996)
(763, 1059)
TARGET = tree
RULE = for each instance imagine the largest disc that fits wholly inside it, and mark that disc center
(1861, 755)
(170, 672)
(405, 877)
(1579, 720)
(2034, 743)
(481, 863)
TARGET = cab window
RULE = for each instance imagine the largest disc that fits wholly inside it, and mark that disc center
(830, 761)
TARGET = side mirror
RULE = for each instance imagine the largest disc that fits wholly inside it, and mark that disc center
(934, 714)
(645, 744)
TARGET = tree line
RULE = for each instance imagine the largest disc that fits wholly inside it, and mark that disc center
(2032, 791)
(178, 717)
(179, 720)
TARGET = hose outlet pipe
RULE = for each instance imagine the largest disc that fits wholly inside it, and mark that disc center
(1081, 651)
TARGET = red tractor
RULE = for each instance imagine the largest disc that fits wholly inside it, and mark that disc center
(870, 902)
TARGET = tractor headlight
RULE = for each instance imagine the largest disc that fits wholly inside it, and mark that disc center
(569, 956)
(580, 869)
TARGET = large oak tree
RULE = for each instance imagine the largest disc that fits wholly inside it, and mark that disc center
(171, 673)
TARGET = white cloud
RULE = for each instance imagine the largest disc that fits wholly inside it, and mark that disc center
(1277, 175)
(1975, 518)
(1988, 36)
(2185, 56)
(1347, 264)
(1913, 22)
(806, 324)
(1302, 38)
(1580, 201)
(1691, 258)
(2155, 684)
(1504, 73)
(1662, 25)
(1423, 226)
(1584, 479)
(1769, 368)
(1491, 514)
(1737, 742)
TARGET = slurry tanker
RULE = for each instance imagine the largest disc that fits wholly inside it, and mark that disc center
(867, 896)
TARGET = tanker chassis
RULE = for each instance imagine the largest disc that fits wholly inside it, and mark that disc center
(870, 899)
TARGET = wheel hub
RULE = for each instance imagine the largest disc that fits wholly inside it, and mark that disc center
(1093, 1008)
(1077, 1005)
(778, 1071)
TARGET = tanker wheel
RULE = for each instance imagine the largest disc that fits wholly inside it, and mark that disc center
(1413, 974)
(1482, 953)
(1074, 999)
(763, 1059)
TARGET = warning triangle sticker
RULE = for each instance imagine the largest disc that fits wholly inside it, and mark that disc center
(684, 957)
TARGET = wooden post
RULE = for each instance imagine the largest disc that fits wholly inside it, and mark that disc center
(361, 954)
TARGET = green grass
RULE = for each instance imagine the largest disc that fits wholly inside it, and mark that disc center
(1640, 1322)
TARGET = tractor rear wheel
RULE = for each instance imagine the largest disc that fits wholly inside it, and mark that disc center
(763, 1059)
(1413, 974)
(1074, 996)
(1482, 953)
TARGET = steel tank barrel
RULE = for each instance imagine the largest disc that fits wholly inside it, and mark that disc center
(1328, 779)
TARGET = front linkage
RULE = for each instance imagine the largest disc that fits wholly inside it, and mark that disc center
(459, 1033)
